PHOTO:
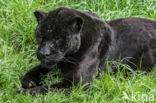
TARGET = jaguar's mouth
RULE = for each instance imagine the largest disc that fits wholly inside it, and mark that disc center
(48, 64)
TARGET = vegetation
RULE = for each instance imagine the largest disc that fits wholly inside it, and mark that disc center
(18, 45)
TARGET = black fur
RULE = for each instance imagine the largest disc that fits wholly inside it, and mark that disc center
(79, 42)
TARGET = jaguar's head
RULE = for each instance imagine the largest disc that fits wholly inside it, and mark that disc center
(57, 35)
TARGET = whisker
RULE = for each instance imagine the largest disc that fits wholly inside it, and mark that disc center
(71, 60)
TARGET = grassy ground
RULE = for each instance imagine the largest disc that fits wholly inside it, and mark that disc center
(17, 53)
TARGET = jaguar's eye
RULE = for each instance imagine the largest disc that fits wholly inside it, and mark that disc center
(58, 41)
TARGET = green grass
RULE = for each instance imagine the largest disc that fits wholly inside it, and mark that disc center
(17, 52)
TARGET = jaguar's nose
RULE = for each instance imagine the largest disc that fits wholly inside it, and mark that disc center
(43, 53)
(46, 53)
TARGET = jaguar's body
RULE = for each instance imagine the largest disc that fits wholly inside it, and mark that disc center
(134, 39)
(80, 42)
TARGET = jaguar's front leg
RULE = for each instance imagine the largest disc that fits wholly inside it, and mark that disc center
(44, 89)
(33, 77)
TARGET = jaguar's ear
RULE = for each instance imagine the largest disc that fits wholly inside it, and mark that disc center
(40, 15)
(77, 23)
